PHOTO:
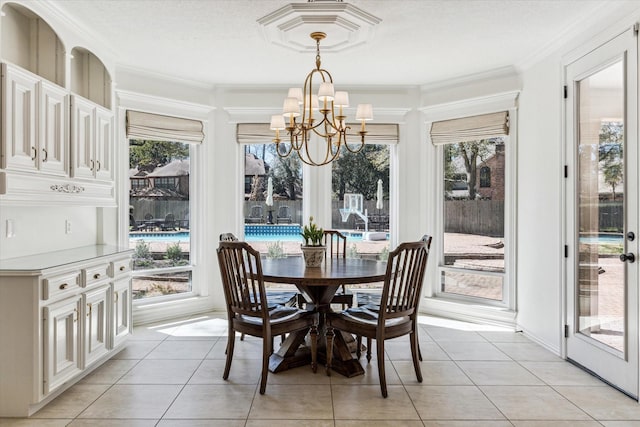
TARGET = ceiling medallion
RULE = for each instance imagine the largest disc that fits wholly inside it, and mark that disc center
(291, 25)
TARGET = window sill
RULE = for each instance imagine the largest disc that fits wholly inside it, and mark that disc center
(470, 312)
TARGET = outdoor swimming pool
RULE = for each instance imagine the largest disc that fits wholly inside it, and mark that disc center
(603, 238)
(287, 234)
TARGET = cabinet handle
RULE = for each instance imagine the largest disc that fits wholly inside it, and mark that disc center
(63, 286)
(116, 297)
(46, 155)
(75, 315)
(122, 268)
(35, 153)
(92, 165)
(96, 276)
(90, 307)
(98, 163)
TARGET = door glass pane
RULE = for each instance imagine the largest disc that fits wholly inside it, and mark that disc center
(474, 195)
(272, 213)
(159, 229)
(601, 275)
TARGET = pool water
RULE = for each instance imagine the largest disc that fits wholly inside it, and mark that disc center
(603, 238)
(249, 237)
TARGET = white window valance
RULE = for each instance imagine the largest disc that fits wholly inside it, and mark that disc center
(163, 128)
(471, 128)
(260, 133)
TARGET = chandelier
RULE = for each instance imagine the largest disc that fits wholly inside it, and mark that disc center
(322, 115)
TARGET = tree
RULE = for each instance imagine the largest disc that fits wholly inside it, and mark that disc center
(286, 173)
(610, 153)
(472, 154)
(359, 172)
(148, 155)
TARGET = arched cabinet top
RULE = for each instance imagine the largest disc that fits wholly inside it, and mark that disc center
(29, 42)
(89, 77)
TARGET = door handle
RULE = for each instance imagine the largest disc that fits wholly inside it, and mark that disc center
(628, 257)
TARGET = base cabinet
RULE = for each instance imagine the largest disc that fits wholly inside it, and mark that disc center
(58, 322)
(61, 351)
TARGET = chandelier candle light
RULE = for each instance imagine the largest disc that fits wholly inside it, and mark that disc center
(328, 104)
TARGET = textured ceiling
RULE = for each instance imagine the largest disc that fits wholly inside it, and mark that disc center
(417, 41)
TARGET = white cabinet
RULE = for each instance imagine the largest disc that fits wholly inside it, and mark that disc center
(53, 125)
(61, 315)
(62, 357)
(18, 148)
(91, 136)
(35, 123)
(96, 338)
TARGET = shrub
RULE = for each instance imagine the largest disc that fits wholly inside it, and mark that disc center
(174, 253)
(352, 251)
(142, 251)
(384, 254)
(275, 250)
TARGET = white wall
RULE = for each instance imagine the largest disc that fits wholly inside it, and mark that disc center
(539, 203)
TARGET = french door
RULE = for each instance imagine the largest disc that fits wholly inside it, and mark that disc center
(602, 212)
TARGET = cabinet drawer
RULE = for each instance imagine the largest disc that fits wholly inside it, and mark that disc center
(60, 285)
(94, 274)
(120, 267)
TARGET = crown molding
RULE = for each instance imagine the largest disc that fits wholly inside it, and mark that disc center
(141, 72)
(161, 105)
(263, 114)
(471, 107)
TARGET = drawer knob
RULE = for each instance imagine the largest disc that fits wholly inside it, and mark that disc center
(96, 276)
(122, 268)
(63, 286)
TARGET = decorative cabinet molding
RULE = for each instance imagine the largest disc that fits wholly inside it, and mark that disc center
(55, 147)
(62, 314)
(18, 149)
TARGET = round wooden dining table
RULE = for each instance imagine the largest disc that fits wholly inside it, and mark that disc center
(319, 284)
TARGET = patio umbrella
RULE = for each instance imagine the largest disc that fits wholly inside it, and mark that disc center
(379, 203)
(269, 201)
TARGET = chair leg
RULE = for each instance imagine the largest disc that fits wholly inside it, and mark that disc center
(381, 373)
(419, 351)
(368, 350)
(267, 344)
(314, 348)
(230, 343)
(330, 335)
(241, 337)
(358, 346)
(415, 355)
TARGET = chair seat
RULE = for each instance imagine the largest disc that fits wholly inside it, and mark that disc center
(276, 315)
(370, 317)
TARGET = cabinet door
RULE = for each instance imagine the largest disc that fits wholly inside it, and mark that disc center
(60, 348)
(52, 130)
(104, 144)
(82, 138)
(121, 310)
(18, 148)
(96, 330)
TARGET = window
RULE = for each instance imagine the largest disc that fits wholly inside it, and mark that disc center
(159, 219)
(485, 177)
(272, 218)
(475, 208)
(161, 149)
(138, 183)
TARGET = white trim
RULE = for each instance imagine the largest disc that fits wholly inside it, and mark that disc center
(495, 74)
(155, 310)
(263, 114)
(471, 107)
(468, 312)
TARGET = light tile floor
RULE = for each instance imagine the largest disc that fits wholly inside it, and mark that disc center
(170, 374)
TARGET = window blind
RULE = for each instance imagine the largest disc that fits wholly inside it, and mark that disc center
(470, 128)
(260, 133)
(163, 128)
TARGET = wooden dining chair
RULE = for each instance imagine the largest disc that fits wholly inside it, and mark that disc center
(336, 244)
(398, 313)
(273, 300)
(247, 307)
